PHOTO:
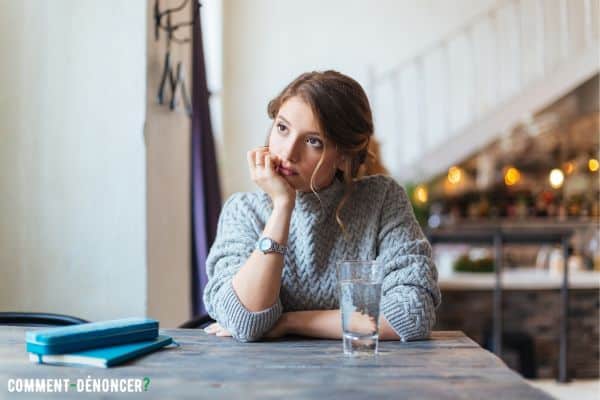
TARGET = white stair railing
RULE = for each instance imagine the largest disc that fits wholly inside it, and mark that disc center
(422, 105)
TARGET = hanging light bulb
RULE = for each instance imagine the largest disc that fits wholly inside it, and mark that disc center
(593, 164)
(512, 176)
(556, 178)
(454, 175)
(421, 194)
(568, 167)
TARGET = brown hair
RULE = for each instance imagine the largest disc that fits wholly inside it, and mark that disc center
(344, 115)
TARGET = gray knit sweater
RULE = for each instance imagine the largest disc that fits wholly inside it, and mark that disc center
(380, 225)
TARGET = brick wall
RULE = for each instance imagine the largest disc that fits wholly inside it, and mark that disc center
(536, 313)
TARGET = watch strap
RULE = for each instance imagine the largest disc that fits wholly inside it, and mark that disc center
(274, 248)
(278, 248)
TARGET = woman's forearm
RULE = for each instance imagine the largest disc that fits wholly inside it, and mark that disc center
(258, 281)
(327, 324)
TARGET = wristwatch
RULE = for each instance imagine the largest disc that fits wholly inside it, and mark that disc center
(268, 245)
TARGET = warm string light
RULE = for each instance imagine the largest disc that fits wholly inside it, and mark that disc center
(568, 167)
(556, 178)
(455, 175)
(421, 194)
(512, 176)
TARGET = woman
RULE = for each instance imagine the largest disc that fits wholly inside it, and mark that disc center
(272, 268)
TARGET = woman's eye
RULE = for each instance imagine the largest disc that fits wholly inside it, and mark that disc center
(281, 127)
(314, 142)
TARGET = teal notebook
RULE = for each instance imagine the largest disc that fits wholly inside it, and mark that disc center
(105, 356)
(69, 339)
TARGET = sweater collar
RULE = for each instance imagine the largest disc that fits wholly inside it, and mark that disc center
(324, 200)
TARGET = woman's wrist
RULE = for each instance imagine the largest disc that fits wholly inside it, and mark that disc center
(324, 324)
(283, 205)
(288, 321)
(277, 227)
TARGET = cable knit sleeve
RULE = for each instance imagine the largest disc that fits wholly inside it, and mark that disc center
(237, 232)
(410, 292)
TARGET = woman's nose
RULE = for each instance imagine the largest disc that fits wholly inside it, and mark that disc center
(290, 150)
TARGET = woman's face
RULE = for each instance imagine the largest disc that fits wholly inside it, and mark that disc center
(298, 143)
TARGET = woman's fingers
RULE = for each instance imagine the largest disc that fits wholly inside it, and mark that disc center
(216, 329)
(258, 159)
(250, 159)
(223, 332)
(268, 163)
(212, 328)
(255, 161)
(263, 172)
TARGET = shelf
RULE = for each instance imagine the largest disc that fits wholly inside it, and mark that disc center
(519, 279)
(529, 223)
(509, 233)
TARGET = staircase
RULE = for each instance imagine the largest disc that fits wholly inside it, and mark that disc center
(474, 85)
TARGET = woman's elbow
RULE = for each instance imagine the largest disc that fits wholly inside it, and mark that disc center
(406, 327)
(421, 330)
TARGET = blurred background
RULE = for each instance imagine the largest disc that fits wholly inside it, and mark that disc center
(123, 128)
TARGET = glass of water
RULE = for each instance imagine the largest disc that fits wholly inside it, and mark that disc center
(359, 285)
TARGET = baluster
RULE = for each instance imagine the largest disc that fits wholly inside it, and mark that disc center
(370, 86)
(470, 34)
(421, 87)
(587, 15)
(520, 44)
(397, 107)
(496, 81)
(541, 36)
(564, 29)
(448, 90)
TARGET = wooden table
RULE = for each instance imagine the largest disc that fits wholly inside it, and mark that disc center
(449, 366)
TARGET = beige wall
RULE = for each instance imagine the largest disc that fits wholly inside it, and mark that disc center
(168, 179)
(72, 157)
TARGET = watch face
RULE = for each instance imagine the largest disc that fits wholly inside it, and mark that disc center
(264, 244)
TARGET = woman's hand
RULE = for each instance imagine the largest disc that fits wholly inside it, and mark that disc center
(216, 329)
(262, 171)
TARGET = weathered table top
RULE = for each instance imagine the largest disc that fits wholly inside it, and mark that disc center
(449, 366)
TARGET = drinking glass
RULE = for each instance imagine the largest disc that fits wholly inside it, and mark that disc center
(359, 285)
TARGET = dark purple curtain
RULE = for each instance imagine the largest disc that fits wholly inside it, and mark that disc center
(206, 193)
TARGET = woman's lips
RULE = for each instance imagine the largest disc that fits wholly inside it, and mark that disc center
(286, 172)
